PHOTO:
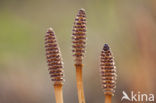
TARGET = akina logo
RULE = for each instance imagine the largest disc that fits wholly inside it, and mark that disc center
(137, 97)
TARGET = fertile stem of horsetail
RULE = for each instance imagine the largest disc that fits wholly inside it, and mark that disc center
(79, 41)
(55, 64)
(108, 73)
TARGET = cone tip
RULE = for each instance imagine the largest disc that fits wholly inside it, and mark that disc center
(82, 9)
(106, 47)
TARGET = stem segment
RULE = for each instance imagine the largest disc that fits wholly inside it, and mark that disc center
(108, 99)
(80, 83)
(58, 93)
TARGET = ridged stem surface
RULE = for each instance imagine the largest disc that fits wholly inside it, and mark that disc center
(108, 98)
(58, 93)
(79, 80)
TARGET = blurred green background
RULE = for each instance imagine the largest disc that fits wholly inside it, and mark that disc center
(128, 26)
